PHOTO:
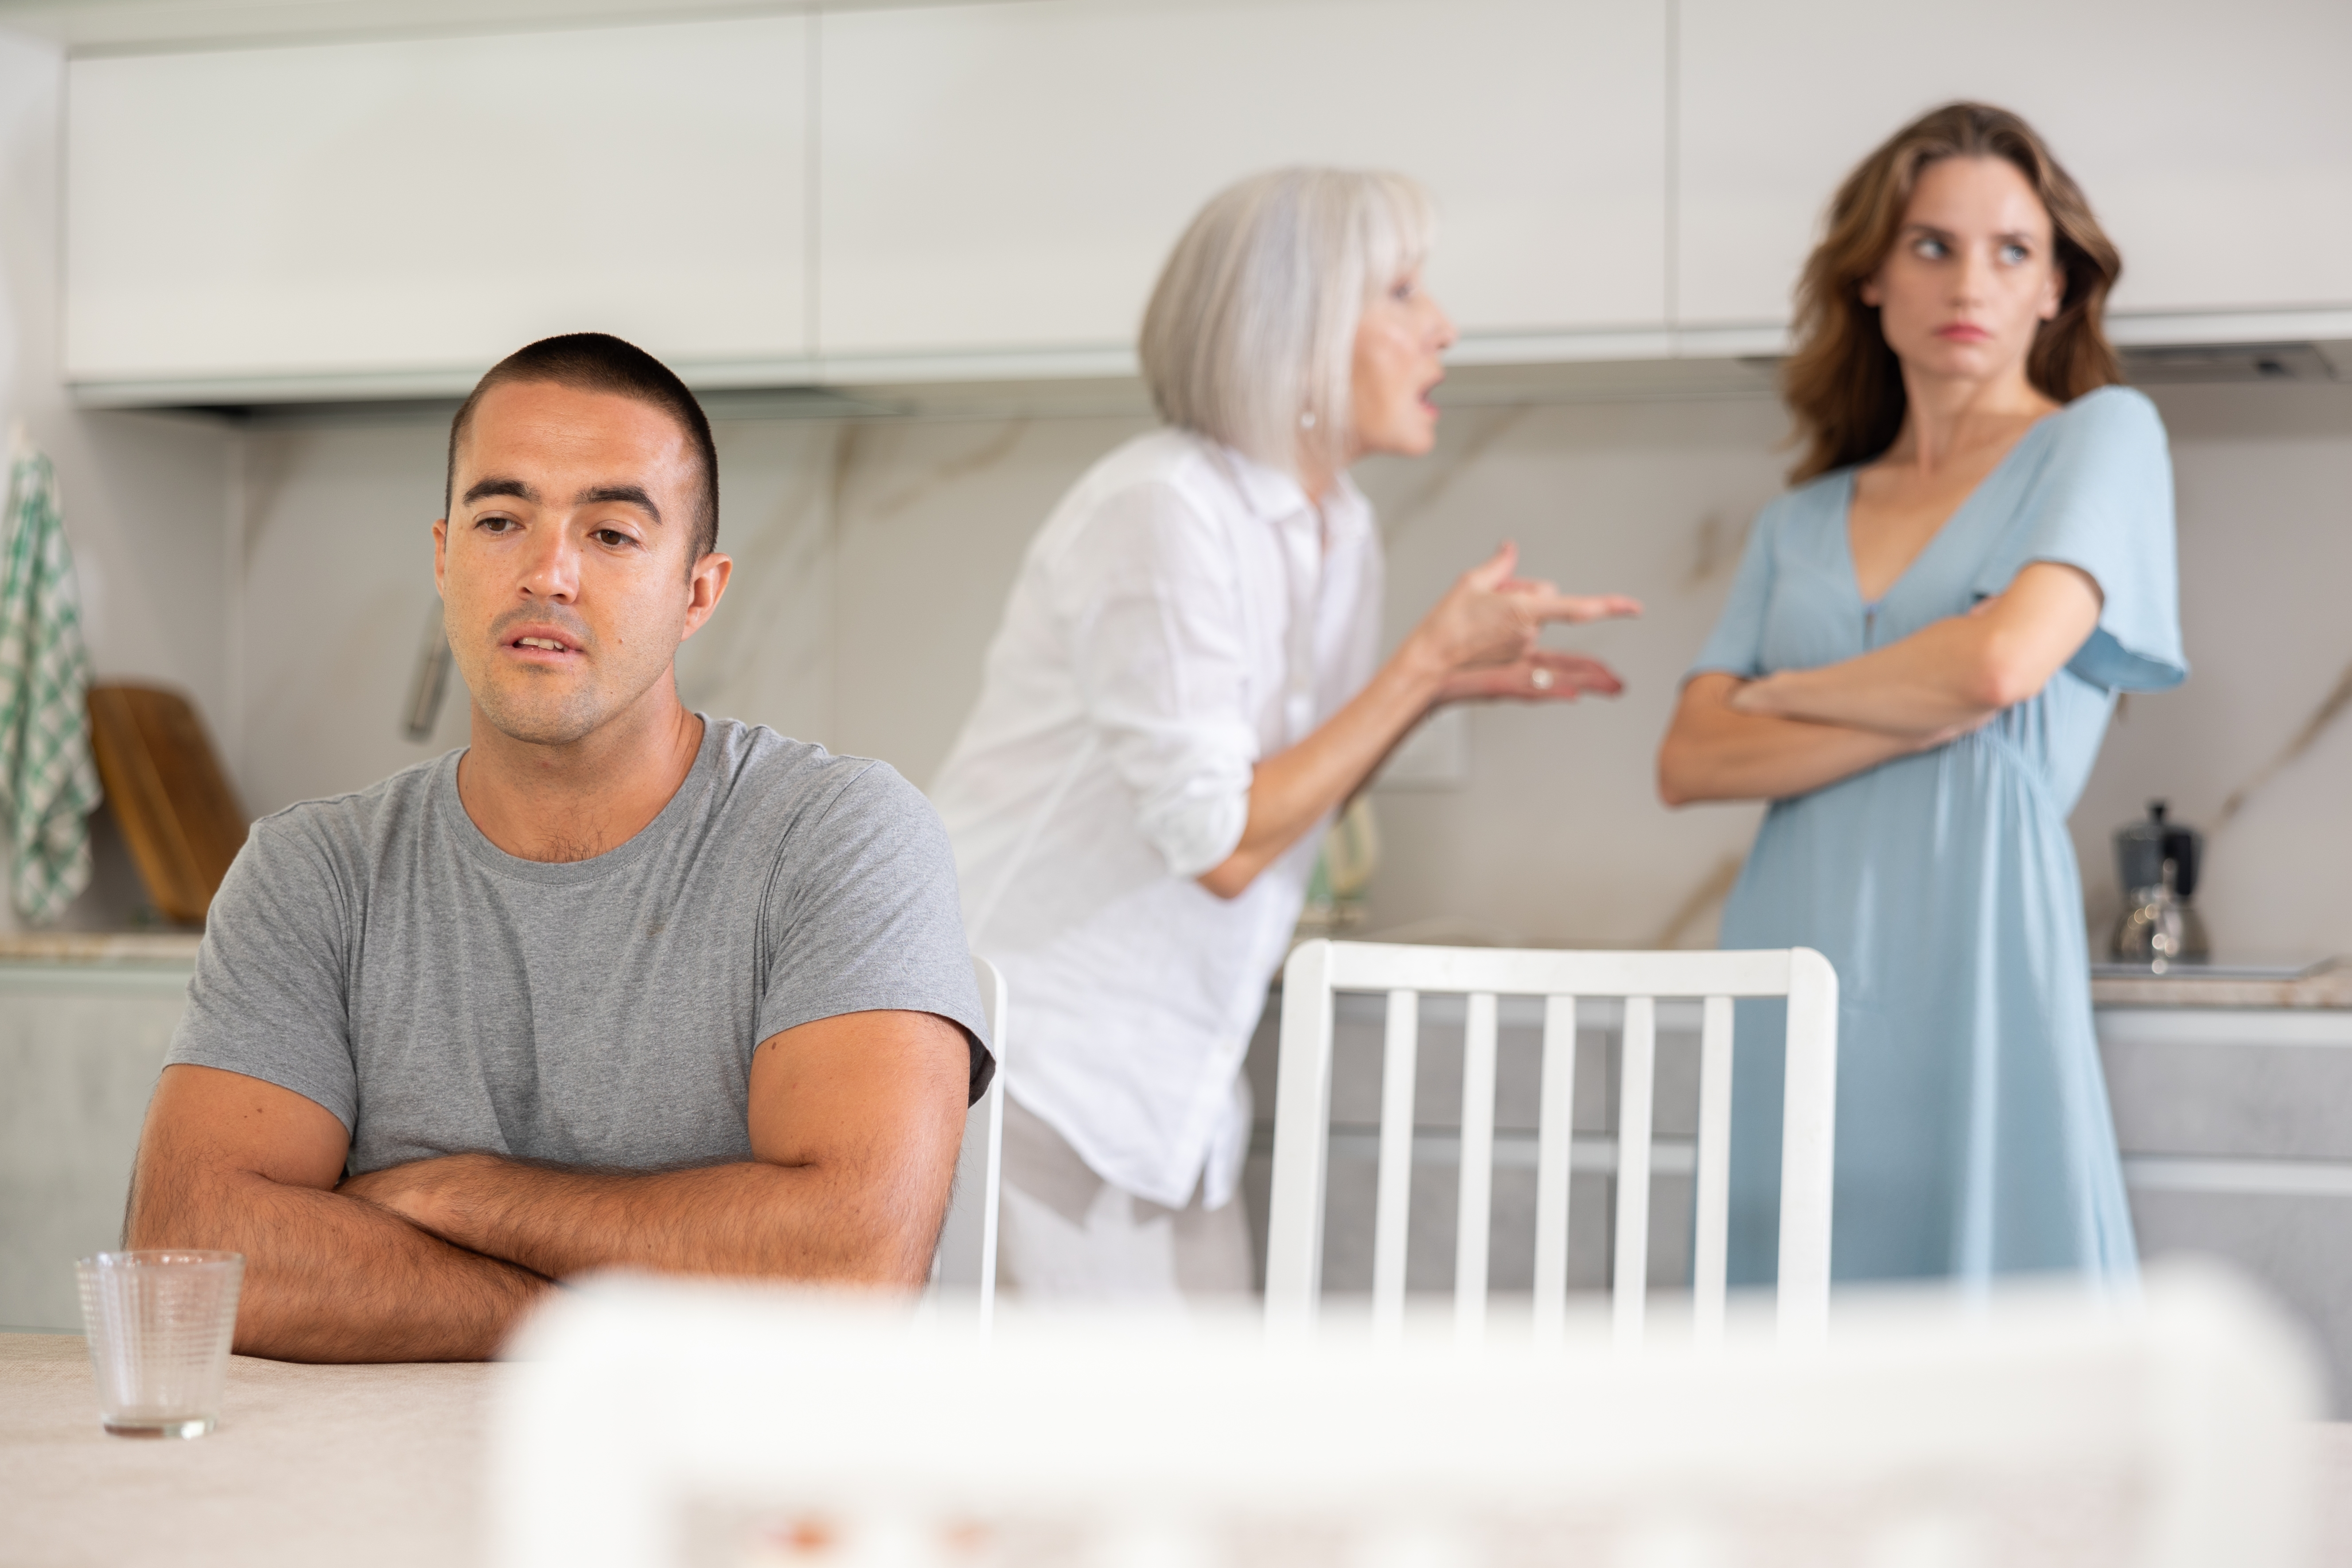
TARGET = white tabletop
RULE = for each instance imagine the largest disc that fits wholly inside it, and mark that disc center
(353, 1466)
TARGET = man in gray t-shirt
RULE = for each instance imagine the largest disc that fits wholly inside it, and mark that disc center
(617, 985)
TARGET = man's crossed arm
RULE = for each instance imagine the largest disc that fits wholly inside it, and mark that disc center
(855, 1123)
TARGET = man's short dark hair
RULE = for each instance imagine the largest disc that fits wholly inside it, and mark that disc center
(598, 362)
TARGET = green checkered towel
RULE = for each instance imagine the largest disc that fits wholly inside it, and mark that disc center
(48, 784)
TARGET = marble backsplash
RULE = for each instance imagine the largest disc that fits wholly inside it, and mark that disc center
(873, 558)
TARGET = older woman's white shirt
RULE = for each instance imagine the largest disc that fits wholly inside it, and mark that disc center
(1183, 613)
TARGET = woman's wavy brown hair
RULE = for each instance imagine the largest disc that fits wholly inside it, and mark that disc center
(1843, 383)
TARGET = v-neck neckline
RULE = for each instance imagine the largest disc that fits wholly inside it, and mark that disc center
(1852, 573)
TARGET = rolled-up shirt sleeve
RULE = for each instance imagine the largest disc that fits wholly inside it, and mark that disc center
(1150, 599)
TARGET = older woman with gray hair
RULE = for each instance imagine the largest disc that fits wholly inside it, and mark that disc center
(1185, 688)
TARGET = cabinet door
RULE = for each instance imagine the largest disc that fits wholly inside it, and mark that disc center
(433, 205)
(1011, 176)
(78, 1056)
(2214, 141)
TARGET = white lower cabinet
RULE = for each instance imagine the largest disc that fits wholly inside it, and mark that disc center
(79, 1048)
(2236, 1129)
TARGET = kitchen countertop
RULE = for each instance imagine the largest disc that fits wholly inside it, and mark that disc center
(2330, 986)
(100, 947)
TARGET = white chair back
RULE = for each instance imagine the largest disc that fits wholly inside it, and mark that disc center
(966, 1258)
(642, 1422)
(1317, 970)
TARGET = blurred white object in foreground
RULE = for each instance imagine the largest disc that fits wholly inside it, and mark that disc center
(663, 1424)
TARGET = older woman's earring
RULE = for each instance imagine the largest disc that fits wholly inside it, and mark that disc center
(1307, 420)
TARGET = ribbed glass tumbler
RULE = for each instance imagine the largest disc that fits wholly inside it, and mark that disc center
(158, 1326)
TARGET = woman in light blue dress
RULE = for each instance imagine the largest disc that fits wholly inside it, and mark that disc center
(1917, 667)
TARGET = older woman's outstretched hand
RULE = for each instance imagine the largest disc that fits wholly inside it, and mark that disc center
(1480, 640)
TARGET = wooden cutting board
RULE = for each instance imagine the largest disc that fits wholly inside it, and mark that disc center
(168, 794)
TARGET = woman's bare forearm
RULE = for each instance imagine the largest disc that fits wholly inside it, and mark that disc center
(1479, 641)
(1713, 751)
(1950, 675)
(1290, 791)
(1941, 677)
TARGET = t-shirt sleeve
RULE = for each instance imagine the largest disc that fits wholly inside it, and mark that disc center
(1736, 645)
(2102, 500)
(1162, 666)
(864, 917)
(268, 997)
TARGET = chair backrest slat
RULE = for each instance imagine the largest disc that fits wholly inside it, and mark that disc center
(1457, 970)
(964, 1259)
(1476, 1193)
(1399, 1059)
(1555, 1140)
(1711, 1233)
(1303, 1110)
(1637, 1064)
(1302, 1137)
(1808, 1145)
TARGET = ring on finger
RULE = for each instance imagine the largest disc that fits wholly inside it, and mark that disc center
(1540, 678)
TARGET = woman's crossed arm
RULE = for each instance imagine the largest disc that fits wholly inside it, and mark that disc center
(1797, 731)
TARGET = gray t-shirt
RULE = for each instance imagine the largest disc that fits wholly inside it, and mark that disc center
(376, 953)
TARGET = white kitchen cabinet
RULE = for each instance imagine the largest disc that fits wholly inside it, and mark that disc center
(80, 1045)
(981, 191)
(2236, 1131)
(1008, 178)
(2214, 141)
(359, 213)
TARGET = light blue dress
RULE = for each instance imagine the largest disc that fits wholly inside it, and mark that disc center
(1973, 1135)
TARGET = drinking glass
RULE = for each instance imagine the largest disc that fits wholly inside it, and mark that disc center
(158, 1326)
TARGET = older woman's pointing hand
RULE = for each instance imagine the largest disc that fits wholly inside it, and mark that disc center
(1481, 639)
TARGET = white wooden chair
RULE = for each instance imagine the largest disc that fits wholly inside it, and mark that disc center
(966, 1259)
(645, 1421)
(1302, 1112)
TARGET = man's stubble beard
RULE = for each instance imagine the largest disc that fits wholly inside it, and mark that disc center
(529, 706)
(532, 707)
(543, 718)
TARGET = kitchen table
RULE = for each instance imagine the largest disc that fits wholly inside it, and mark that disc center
(354, 1466)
